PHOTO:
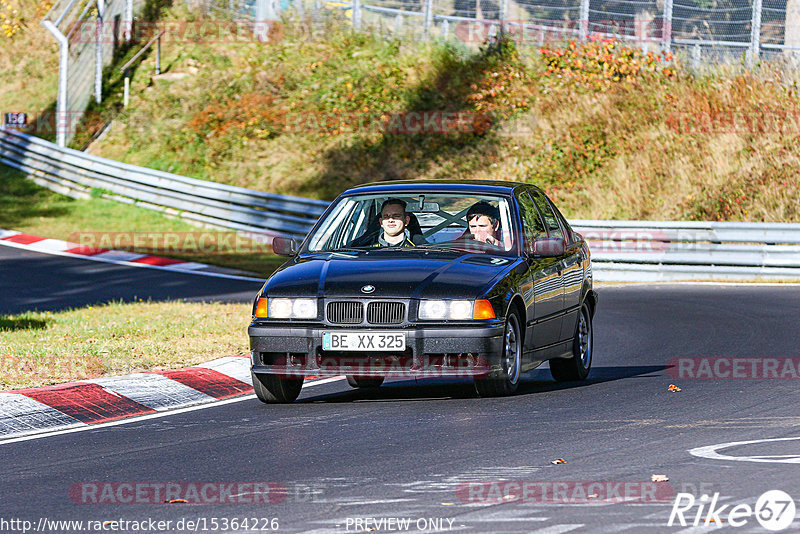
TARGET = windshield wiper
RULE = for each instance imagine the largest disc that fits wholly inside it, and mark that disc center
(345, 249)
(440, 248)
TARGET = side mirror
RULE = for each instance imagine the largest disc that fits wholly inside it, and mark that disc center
(284, 246)
(549, 247)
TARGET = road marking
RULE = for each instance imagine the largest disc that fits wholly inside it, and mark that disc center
(231, 366)
(557, 529)
(363, 503)
(154, 415)
(19, 413)
(710, 452)
(153, 390)
(700, 529)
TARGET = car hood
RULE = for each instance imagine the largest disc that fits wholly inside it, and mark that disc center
(465, 276)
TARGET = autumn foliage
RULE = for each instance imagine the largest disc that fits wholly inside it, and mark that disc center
(600, 62)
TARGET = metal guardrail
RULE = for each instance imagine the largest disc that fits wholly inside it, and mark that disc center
(677, 250)
(621, 250)
(76, 173)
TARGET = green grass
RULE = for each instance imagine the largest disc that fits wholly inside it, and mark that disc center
(26, 207)
(42, 348)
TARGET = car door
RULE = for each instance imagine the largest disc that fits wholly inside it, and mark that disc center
(571, 276)
(545, 308)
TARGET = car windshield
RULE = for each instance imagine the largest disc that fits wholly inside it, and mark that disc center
(433, 220)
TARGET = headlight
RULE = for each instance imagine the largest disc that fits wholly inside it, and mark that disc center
(432, 309)
(461, 309)
(304, 308)
(283, 308)
(457, 310)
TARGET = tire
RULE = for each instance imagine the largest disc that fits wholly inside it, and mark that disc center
(272, 389)
(365, 381)
(577, 367)
(511, 360)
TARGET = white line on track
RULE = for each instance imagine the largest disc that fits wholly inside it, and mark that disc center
(557, 529)
(710, 452)
(154, 415)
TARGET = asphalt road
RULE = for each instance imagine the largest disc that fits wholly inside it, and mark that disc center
(35, 281)
(409, 450)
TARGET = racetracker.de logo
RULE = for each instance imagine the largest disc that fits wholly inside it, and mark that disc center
(733, 368)
(540, 31)
(177, 492)
(564, 492)
(626, 241)
(176, 31)
(174, 242)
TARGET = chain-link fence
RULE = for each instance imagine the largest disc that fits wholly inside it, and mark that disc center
(88, 32)
(705, 30)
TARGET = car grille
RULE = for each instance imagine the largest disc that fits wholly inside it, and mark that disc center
(385, 312)
(346, 312)
(378, 312)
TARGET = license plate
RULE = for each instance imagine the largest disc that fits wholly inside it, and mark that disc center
(364, 341)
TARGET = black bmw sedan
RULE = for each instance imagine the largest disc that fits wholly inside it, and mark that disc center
(483, 279)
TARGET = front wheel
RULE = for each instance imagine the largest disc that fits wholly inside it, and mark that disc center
(511, 359)
(577, 367)
(364, 381)
(272, 389)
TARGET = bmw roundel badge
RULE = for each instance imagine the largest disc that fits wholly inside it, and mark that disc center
(368, 289)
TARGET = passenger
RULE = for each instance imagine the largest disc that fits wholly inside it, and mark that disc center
(484, 223)
(394, 228)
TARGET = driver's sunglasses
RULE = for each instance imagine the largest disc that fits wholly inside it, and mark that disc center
(395, 216)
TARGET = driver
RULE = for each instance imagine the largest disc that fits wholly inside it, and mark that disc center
(393, 231)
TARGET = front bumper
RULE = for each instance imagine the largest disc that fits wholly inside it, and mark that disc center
(294, 351)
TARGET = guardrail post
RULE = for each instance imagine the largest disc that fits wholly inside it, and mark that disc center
(158, 55)
(126, 92)
(696, 57)
(428, 24)
(356, 15)
(445, 29)
(398, 24)
(584, 22)
(755, 34)
(666, 29)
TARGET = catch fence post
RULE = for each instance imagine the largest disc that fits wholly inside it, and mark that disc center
(583, 23)
(755, 34)
(356, 15)
(98, 53)
(428, 19)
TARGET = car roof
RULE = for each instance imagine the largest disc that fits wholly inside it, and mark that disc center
(458, 186)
